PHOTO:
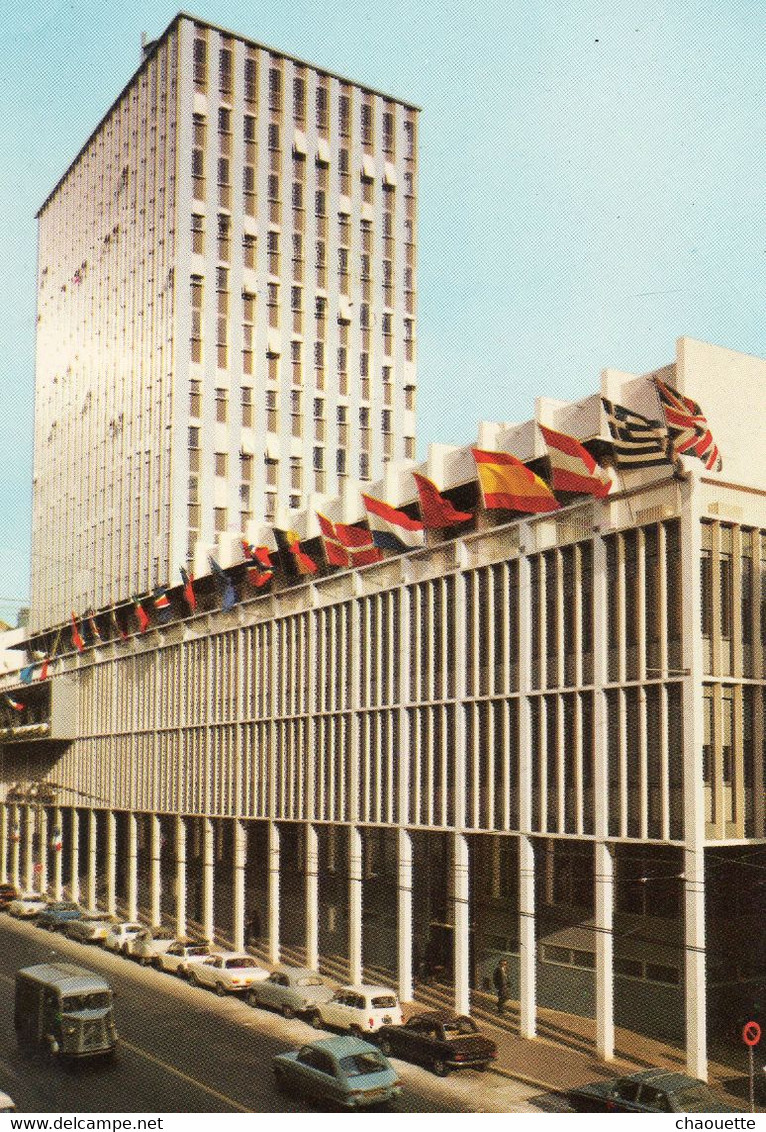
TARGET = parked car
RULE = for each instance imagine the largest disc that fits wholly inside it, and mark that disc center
(441, 1040)
(180, 956)
(8, 892)
(54, 916)
(360, 1009)
(147, 944)
(91, 927)
(6, 1103)
(651, 1090)
(345, 1071)
(26, 906)
(120, 934)
(227, 972)
(291, 990)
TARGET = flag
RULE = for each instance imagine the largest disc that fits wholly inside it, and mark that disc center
(261, 569)
(189, 595)
(121, 632)
(77, 640)
(572, 466)
(14, 703)
(392, 529)
(508, 484)
(346, 545)
(162, 604)
(436, 511)
(94, 637)
(43, 675)
(141, 615)
(228, 593)
(26, 674)
(290, 551)
(688, 428)
(637, 441)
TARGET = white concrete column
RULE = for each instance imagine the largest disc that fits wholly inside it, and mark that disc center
(404, 918)
(312, 897)
(694, 801)
(57, 847)
(238, 884)
(208, 878)
(74, 857)
(604, 923)
(29, 852)
(4, 855)
(92, 858)
(42, 844)
(155, 879)
(180, 848)
(272, 897)
(355, 904)
(15, 835)
(527, 940)
(111, 862)
(132, 868)
(461, 907)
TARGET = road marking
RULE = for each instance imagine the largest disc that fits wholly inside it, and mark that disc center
(171, 1069)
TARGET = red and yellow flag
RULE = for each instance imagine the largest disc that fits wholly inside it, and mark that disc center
(509, 485)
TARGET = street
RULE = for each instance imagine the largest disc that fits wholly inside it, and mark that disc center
(182, 1049)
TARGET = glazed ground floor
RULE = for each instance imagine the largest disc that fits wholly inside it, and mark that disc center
(609, 931)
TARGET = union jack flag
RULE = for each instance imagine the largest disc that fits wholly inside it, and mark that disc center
(688, 427)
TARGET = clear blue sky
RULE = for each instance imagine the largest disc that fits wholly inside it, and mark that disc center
(591, 185)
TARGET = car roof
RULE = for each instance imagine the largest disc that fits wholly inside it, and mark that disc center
(342, 1046)
(233, 955)
(296, 972)
(664, 1078)
(439, 1016)
(368, 988)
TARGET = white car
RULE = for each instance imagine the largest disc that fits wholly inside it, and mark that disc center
(91, 927)
(180, 956)
(26, 906)
(120, 934)
(360, 1009)
(227, 972)
(147, 944)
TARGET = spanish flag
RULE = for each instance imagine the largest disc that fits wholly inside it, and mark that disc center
(509, 485)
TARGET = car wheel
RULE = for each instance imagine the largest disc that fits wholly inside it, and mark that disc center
(384, 1045)
(355, 1031)
(193, 980)
(482, 1066)
(156, 963)
(51, 927)
(220, 990)
(440, 1067)
(287, 1010)
(252, 999)
(144, 961)
(124, 951)
(316, 1020)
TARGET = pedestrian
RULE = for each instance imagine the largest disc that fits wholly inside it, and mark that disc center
(501, 983)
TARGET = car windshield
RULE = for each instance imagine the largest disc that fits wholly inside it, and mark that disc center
(383, 1002)
(240, 961)
(310, 981)
(697, 1098)
(360, 1064)
(94, 1001)
(457, 1026)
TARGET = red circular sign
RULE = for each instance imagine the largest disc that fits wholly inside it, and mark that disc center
(38, 869)
(751, 1033)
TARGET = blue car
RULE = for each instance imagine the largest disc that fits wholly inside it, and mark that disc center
(345, 1071)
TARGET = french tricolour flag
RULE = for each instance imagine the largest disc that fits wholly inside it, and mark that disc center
(392, 529)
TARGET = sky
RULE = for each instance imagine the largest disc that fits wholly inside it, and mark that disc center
(591, 186)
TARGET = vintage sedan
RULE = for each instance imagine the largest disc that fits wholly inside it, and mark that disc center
(291, 990)
(227, 972)
(27, 906)
(147, 944)
(441, 1040)
(91, 927)
(55, 916)
(360, 1009)
(180, 956)
(651, 1090)
(120, 933)
(344, 1071)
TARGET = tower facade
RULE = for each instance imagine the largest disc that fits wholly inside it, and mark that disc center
(226, 312)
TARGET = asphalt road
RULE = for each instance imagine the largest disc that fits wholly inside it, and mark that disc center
(182, 1049)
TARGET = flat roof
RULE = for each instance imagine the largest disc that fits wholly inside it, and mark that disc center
(151, 47)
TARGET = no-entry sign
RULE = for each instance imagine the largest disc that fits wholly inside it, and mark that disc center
(751, 1033)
